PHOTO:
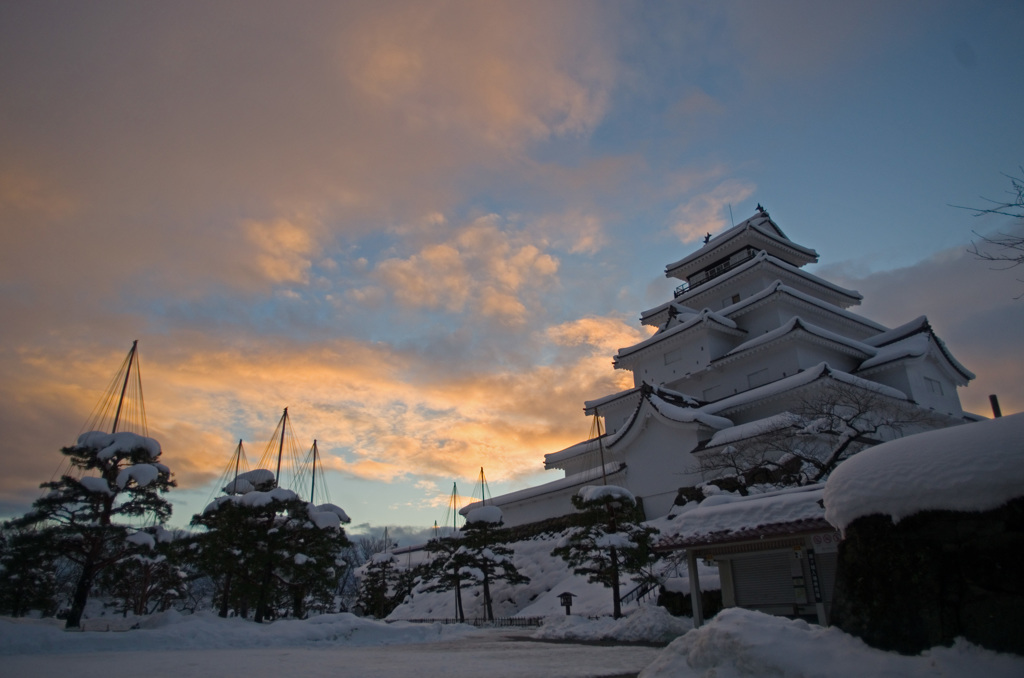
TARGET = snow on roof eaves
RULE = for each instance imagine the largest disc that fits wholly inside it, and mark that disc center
(577, 479)
(798, 380)
(687, 414)
(727, 517)
(798, 325)
(971, 467)
(706, 319)
(761, 223)
(761, 258)
(911, 347)
(913, 340)
(552, 459)
(779, 288)
(651, 402)
(589, 405)
(754, 429)
(915, 326)
(656, 310)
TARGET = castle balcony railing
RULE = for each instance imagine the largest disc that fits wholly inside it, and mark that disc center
(738, 259)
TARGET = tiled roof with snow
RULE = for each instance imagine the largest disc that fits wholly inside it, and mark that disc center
(797, 324)
(911, 340)
(819, 371)
(753, 429)
(676, 324)
(761, 223)
(600, 402)
(915, 326)
(761, 258)
(562, 484)
(667, 404)
(971, 467)
(780, 288)
(723, 518)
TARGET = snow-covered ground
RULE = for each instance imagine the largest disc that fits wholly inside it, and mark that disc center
(332, 645)
(744, 643)
(735, 643)
(549, 577)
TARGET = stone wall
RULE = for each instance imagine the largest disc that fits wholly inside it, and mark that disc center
(933, 577)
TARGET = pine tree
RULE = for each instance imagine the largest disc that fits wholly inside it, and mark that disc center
(487, 559)
(89, 518)
(150, 578)
(445, 572)
(378, 586)
(270, 549)
(611, 541)
(27, 572)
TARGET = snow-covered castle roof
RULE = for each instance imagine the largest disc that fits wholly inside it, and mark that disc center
(758, 232)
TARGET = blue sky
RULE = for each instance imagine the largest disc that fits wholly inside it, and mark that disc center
(426, 227)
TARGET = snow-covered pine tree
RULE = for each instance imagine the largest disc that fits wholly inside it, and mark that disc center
(444, 573)
(487, 559)
(611, 540)
(151, 578)
(270, 549)
(89, 518)
(378, 594)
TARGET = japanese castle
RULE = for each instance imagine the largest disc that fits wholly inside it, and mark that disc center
(748, 336)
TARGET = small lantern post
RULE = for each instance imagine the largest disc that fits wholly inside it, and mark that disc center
(566, 600)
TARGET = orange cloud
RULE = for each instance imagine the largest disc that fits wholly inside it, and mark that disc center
(481, 267)
(282, 249)
(705, 213)
(490, 70)
(372, 417)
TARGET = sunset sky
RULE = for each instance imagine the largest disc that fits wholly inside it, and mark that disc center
(426, 227)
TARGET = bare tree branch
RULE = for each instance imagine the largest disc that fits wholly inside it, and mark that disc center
(825, 429)
(1005, 249)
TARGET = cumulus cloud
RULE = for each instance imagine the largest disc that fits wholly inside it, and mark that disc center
(282, 249)
(482, 267)
(706, 212)
(576, 231)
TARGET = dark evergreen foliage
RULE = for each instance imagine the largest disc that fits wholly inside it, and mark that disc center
(383, 585)
(28, 577)
(611, 541)
(152, 578)
(87, 518)
(266, 555)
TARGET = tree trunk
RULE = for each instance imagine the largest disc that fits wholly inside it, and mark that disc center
(225, 595)
(488, 609)
(460, 614)
(263, 604)
(298, 602)
(80, 598)
(616, 598)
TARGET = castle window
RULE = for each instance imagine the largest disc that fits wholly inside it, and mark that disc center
(934, 386)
